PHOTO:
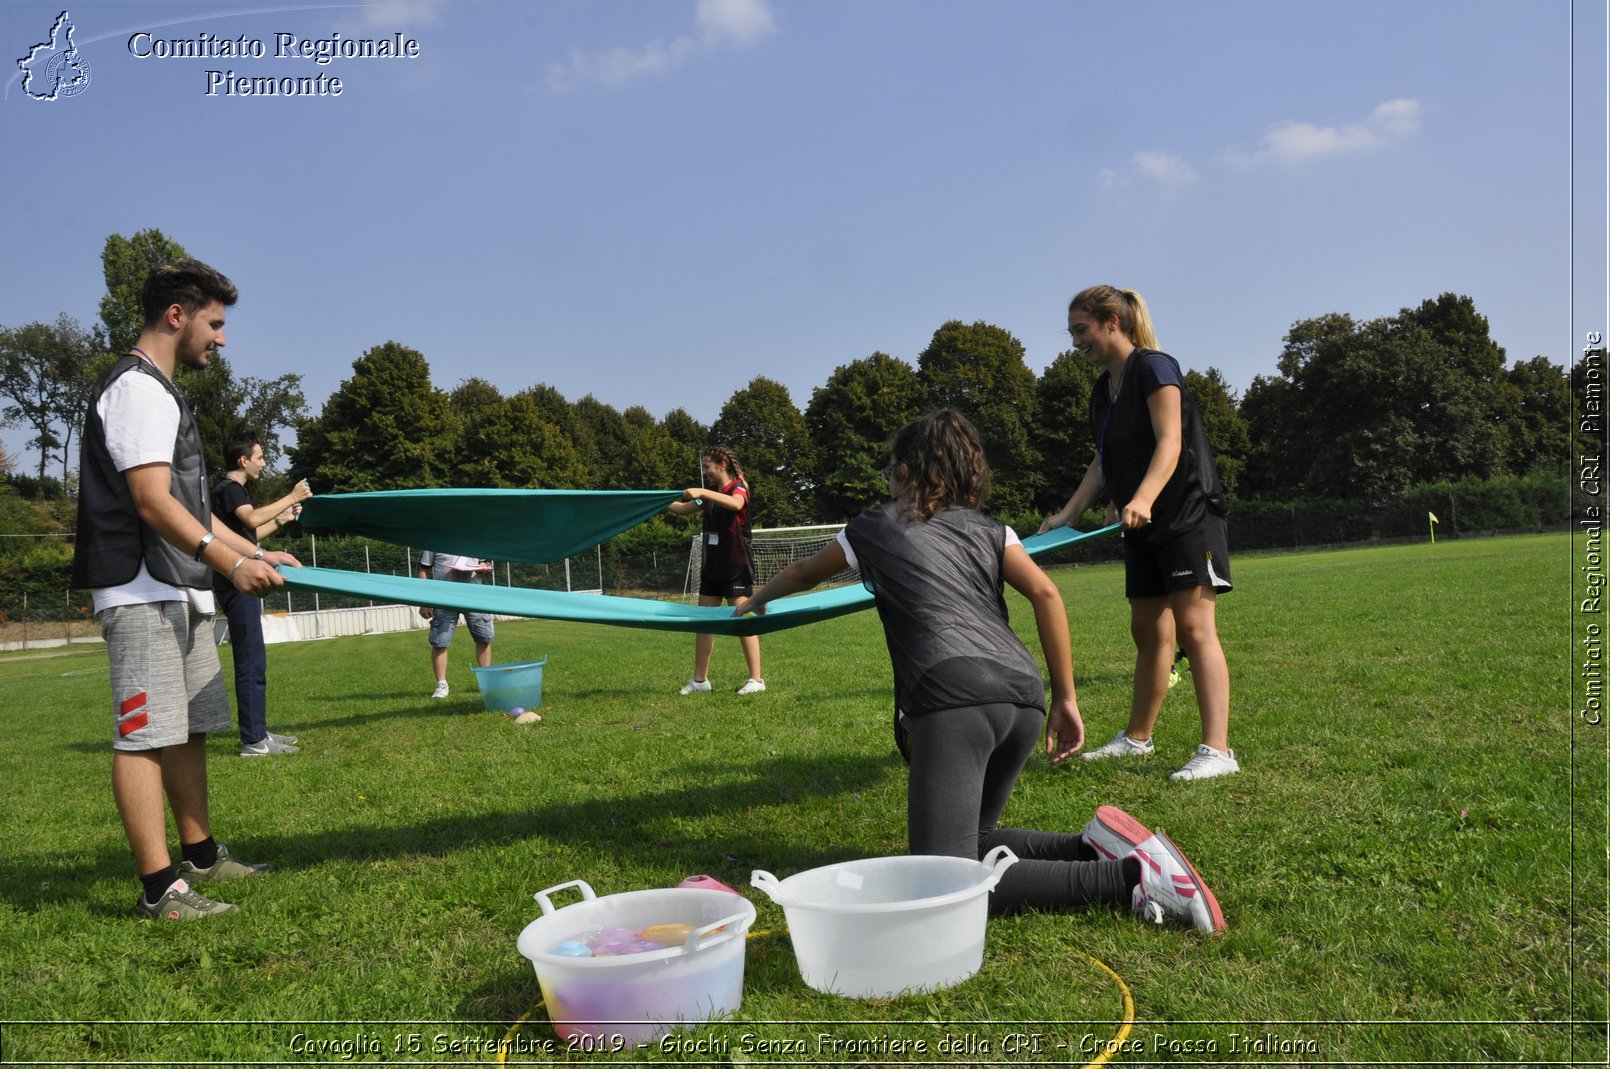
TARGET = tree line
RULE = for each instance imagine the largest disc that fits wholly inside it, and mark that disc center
(1359, 412)
(1355, 411)
(49, 370)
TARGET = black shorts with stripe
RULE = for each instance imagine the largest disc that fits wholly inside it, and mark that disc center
(1193, 558)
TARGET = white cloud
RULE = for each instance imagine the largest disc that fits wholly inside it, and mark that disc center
(1397, 118)
(1156, 170)
(617, 66)
(1165, 167)
(1290, 143)
(743, 22)
(396, 14)
(720, 24)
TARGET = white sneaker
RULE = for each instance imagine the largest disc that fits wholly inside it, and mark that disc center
(754, 686)
(696, 686)
(1170, 888)
(441, 689)
(1114, 834)
(1120, 746)
(1169, 885)
(1207, 763)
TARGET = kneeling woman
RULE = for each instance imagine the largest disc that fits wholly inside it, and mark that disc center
(970, 692)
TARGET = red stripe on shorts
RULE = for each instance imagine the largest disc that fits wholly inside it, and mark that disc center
(128, 705)
(132, 724)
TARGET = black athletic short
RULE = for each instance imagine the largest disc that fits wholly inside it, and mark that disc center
(1198, 557)
(726, 581)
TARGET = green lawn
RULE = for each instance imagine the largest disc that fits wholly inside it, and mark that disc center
(1411, 863)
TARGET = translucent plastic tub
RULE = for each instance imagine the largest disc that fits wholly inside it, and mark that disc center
(517, 685)
(885, 926)
(637, 998)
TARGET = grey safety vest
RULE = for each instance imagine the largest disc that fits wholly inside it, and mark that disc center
(939, 594)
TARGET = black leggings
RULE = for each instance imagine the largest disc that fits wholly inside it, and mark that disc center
(963, 765)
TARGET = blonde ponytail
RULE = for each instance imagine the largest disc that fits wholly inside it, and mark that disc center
(1139, 327)
(1134, 318)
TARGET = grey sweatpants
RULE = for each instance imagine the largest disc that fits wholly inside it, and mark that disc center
(964, 763)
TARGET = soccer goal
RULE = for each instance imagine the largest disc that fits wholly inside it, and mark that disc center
(775, 548)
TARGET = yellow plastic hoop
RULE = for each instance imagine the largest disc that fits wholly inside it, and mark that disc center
(1129, 1014)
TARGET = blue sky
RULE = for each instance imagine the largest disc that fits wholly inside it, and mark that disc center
(653, 202)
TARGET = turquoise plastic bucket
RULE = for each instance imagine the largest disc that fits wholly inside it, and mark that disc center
(510, 686)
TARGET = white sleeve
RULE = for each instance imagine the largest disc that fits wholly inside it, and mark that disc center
(849, 554)
(141, 420)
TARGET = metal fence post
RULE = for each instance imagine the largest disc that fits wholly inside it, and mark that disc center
(313, 549)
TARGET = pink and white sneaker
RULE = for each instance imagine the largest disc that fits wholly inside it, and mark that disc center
(1169, 887)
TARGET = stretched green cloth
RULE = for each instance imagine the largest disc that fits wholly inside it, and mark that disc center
(800, 609)
(527, 526)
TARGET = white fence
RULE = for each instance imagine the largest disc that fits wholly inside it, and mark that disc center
(332, 623)
(288, 626)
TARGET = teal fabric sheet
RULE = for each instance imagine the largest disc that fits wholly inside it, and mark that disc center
(527, 526)
(800, 609)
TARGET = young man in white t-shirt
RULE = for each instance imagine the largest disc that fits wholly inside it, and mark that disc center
(444, 621)
(147, 545)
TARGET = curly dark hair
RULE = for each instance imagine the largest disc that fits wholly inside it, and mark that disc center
(940, 462)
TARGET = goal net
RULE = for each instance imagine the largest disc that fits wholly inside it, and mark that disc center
(775, 548)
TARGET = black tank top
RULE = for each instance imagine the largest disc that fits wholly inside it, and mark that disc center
(1125, 442)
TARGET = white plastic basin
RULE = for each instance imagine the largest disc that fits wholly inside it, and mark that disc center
(886, 926)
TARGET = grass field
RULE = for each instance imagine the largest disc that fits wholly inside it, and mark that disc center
(1412, 861)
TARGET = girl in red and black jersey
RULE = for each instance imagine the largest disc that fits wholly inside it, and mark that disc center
(728, 568)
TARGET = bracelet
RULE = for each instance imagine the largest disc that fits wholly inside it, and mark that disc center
(236, 568)
(206, 540)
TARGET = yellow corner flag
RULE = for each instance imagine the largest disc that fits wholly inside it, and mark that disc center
(1433, 526)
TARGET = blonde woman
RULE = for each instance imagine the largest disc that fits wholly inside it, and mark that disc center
(1153, 464)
